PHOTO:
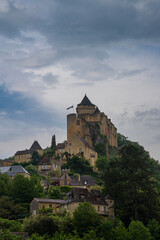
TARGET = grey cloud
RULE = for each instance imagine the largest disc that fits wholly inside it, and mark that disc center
(151, 117)
(85, 22)
(50, 79)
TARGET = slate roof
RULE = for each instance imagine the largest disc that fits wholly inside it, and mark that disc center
(45, 161)
(45, 200)
(84, 181)
(86, 102)
(12, 170)
(83, 195)
(4, 169)
(60, 146)
(35, 146)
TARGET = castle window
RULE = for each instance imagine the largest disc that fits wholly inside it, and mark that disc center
(85, 182)
(19, 157)
(50, 205)
(104, 208)
(82, 197)
(98, 208)
(55, 165)
(92, 155)
(70, 150)
(69, 144)
(80, 150)
(78, 122)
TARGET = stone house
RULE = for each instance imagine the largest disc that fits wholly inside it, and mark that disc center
(103, 205)
(5, 163)
(14, 170)
(49, 164)
(39, 203)
(26, 155)
(83, 182)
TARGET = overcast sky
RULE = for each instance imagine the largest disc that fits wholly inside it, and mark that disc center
(52, 52)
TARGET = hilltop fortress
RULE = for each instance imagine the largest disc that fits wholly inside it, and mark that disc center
(88, 127)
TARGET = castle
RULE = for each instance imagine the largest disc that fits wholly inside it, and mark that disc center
(87, 127)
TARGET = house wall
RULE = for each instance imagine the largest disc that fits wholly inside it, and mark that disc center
(75, 146)
(100, 209)
(23, 158)
(35, 206)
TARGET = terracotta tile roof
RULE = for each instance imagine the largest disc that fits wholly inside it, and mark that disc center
(86, 102)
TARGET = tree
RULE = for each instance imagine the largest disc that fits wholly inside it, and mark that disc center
(154, 228)
(137, 231)
(9, 209)
(55, 193)
(35, 158)
(4, 185)
(22, 189)
(85, 218)
(79, 165)
(100, 148)
(53, 142)
(32, 170)
(129, 180)
(102, 163)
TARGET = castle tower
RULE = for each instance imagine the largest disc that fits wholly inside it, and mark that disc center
(85, 107)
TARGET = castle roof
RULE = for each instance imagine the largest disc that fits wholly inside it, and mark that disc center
(86, 102)
(35, 146)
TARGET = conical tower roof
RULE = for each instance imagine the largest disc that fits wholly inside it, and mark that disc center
(86, 102)
(35, 146)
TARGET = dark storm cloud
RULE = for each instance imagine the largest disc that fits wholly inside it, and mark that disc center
(75, 23)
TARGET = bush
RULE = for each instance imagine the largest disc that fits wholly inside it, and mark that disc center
(11, 225)
(41, 224)
(85, 218)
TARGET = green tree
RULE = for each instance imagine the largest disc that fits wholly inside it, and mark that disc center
(9, 209)
(85, 218)
(55, 193)
(41, 224)
(137, 231)
(22, 189)
(32, 170)
(102, 163)
(53, 142)
(78, 164)
(100, 148)
(36, 158)
(154, 228)
(129, 180)
(4, 185)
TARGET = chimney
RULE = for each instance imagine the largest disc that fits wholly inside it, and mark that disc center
(79, 177)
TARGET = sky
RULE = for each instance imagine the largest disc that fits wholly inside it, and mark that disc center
(53, 52)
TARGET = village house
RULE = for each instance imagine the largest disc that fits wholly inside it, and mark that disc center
(5, 163)
(103, 205)
(85, 181)
(14, 170)
(47, 165)
(26, 155)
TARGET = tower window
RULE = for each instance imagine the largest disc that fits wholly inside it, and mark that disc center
(78, 122)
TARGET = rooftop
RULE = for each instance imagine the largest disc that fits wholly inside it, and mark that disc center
(86, 102)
